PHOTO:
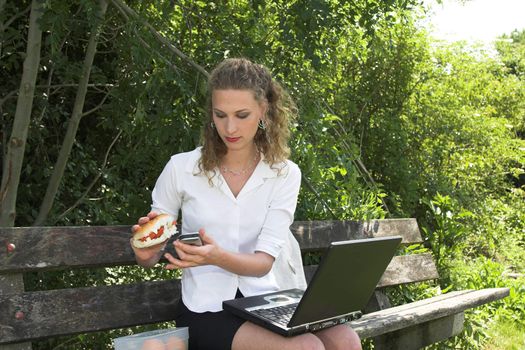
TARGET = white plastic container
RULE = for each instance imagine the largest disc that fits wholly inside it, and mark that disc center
(160, 339)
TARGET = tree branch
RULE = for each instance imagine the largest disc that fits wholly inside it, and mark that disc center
(73, 123)
(50, 77)
(90, 186)
(97, 106)
(16, 146)
(55, 86)
(129, 12)
(147, 46)
(365, 174)
(7, 97)
(15, 17)
(314, 191)
(76, 85)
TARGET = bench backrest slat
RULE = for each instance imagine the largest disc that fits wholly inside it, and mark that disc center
(409, 269)
(401, 270)
(49, 248)
(81, 310)
(316, 235)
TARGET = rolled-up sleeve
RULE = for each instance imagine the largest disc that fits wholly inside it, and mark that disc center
(280, 215)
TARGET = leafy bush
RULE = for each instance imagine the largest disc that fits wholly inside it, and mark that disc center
(391, 125)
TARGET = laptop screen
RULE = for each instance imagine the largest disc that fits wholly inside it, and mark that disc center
(345, 279)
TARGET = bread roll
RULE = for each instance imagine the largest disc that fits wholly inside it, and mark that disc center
(157, 230)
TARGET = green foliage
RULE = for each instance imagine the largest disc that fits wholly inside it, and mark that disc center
(448, 234)
(489, 248)
(391, 125)
(511, 49)
(463, 145)
(485, 273)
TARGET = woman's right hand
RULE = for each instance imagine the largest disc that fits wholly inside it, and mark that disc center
(143, 220)
(149, 256)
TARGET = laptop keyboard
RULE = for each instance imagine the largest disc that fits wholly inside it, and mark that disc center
(278, 314)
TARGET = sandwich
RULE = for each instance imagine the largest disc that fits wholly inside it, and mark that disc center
(156, 231)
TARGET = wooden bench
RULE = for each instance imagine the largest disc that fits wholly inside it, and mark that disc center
(28, 316)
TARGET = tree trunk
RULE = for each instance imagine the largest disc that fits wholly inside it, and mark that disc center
(2, 6)
(4, 137)
(69, 138)
(14, 156)
(16, 146)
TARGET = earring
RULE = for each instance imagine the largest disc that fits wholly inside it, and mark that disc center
(262, 124)
(212, 125)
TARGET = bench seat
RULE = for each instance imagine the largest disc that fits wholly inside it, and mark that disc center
(418, 312)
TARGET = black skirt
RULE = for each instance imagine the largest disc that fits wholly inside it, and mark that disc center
(209, 330)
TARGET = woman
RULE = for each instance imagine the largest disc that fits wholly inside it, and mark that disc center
(240, 192)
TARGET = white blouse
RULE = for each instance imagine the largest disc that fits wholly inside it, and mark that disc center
(258, 219)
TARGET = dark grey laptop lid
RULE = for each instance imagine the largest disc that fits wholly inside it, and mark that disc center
(345, 279)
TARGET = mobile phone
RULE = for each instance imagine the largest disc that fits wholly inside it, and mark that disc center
(192, 238)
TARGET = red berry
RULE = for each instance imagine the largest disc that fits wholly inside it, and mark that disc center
(10, 247)
(20, 315)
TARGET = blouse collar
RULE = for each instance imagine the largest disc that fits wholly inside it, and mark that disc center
(261, 172)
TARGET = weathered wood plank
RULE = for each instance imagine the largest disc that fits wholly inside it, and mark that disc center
(406, 228)
(316, 235)
(419, 336)
(11, 284)
(34, 315)
(72, 311)
(378, 301)
(401, 270)
(48, 248)
(398, 317)
(409, 268)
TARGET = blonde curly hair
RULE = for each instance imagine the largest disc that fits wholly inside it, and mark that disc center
(272, 141)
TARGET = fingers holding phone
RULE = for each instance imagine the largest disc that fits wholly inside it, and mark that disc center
(191, 238)
(185, 256)
(193, 249)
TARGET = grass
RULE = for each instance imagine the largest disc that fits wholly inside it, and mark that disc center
(505, 335)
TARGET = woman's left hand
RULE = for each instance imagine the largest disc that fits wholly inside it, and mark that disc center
(189, 255)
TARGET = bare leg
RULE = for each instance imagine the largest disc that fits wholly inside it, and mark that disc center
(153, 344)
(339, 337)
(175, 343)
(253, 337)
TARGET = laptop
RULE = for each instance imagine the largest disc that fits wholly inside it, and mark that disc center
(340, 288)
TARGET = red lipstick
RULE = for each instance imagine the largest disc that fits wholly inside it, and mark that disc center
(232, 139)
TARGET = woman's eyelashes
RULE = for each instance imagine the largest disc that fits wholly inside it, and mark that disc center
(238, 115)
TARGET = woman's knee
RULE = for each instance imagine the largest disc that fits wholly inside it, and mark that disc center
(340, 337)
(251, 336)
(351, 340)
(307, 341)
